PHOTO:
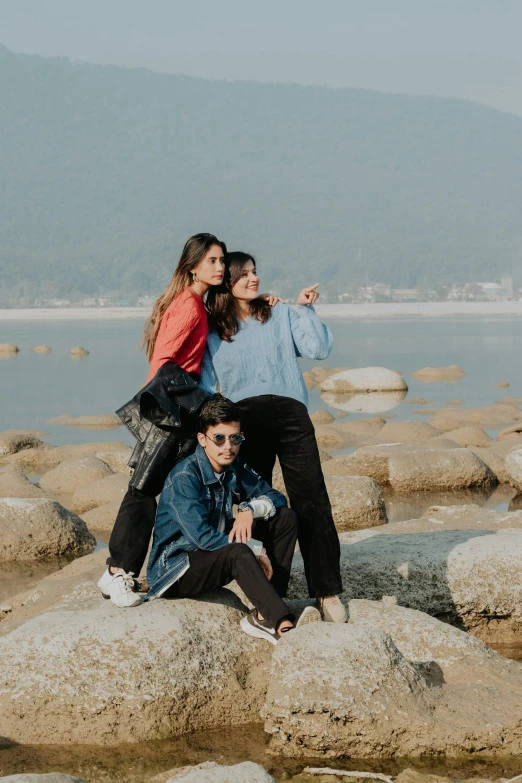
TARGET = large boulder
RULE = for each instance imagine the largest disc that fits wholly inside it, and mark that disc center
(211, 772)
(12, 441)
(415, 468)
(364, 402)
(116, 459)
(75, 668)
(471, 435)
(364, 379)
(464, 570)
(40, 528)
(13, 484)
(391, 682)
(98, 493)
(357, 502)
(513, 466)
(74, 473)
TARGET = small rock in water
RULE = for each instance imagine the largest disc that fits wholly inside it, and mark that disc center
(418, 401)
(41, 349)
(502, 385)
(79, 351)
(322, 417)
(8, 348)
(6, 609)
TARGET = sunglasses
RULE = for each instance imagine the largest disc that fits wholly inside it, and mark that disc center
(235, 440)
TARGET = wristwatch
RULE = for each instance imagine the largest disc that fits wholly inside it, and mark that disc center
(244, 506)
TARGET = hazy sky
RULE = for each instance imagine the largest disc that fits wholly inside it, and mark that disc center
(461, 48)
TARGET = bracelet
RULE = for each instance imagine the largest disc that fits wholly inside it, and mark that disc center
(245, 507)
(261, 554)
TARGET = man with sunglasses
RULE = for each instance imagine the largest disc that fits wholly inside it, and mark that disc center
(198, 546)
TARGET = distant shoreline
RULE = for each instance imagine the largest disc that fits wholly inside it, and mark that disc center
(385, 310)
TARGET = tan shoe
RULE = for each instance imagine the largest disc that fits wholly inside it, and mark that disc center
(332, 609)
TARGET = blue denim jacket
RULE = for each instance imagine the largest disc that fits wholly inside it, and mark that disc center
(189, 511)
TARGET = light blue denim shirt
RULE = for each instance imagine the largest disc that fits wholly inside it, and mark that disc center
(262, 358)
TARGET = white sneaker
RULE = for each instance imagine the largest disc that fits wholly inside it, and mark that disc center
(119, 587)
(332, 609)
(309, 615)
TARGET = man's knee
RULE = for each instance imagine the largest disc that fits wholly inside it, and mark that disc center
(239, 552)
(287, 519)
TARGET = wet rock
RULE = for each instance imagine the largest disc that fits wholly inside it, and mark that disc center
(415, 468)
(41, 349)
(449, 374)
(13, 484)
(79, 351)
(471, 436)
(391, 682)
(322, 417)
(210, 772)
(104, 422)
(12, 441)
(405, 432)
(38, 459)
(73, 474)
(8, 348)
(514, 468)
(39, 528)
(357, 502)
(98, 493)
(75, 668)
(100, 520)
(364, 379)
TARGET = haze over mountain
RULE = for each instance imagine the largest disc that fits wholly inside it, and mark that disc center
(106, 171)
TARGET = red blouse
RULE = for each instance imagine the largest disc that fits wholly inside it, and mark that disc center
(182, 334)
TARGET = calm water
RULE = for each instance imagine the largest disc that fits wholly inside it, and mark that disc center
(34, 388)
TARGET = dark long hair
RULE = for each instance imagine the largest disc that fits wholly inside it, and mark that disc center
(195, 249)
(223, 307)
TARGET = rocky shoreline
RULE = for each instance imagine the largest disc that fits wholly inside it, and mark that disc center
(411, 674)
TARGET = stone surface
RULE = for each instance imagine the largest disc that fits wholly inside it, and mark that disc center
(104, 422)
(116, 460)
(74, 473)
(13, 484)
(40, 528)
(460, 564)
(391, 682)
(488, 417)
(210, 772)
(98, 493)
(364, 402)
(515, 429)
(38, 459)
(322, 417)
(41, 349)
(77, 669)
(414, 468)
(513, 466)
(471, 436)
(12, 441)
(100, 520)
(9, 348)
(328, 437)
(360, 430)
(448, 374)
(49, 777)
(495, 462)
(405, 432)
(357, 502)
(79, 351)
(364, 379)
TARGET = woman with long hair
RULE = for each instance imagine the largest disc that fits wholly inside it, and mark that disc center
(175, 332)
(251, 358)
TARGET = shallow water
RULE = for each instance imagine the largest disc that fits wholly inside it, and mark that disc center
(139, 763)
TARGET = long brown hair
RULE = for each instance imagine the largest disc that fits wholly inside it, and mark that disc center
(195, 249)
(222, 305)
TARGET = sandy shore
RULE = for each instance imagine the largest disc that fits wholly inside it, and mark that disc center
(392, 310)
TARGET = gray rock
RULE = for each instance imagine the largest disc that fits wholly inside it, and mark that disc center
(514, 468)
(98, 493)
(100, 520)
(117, 460)
(39, 528)
(357, 502)
(461, 565)
(13, 484)
(73, 474)
(12, 441)
(392, 682)
(210, 772)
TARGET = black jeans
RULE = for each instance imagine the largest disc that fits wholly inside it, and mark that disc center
(130, 537)
(281, 427)
(211, 570)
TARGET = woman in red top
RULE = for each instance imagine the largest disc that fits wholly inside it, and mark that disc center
(175, 332)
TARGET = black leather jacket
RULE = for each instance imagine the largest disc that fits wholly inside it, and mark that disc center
(162, 418)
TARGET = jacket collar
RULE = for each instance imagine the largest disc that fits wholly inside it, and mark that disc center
(207, 471)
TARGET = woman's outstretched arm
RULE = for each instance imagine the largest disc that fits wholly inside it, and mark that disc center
(312, 338)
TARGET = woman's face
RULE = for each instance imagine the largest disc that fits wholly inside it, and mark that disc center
(211, 268)
(247, 287)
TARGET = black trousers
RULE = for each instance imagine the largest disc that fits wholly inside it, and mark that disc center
(281, 427)
(211, 570)
(130, 537)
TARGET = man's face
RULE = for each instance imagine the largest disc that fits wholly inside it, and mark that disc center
(220, 454)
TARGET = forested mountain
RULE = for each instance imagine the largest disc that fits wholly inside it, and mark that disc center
(105, 172)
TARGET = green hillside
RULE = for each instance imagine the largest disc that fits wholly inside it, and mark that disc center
(105, 172)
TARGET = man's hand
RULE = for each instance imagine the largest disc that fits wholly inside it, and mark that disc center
(266, 565)
(242, 529)
(308, 295)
